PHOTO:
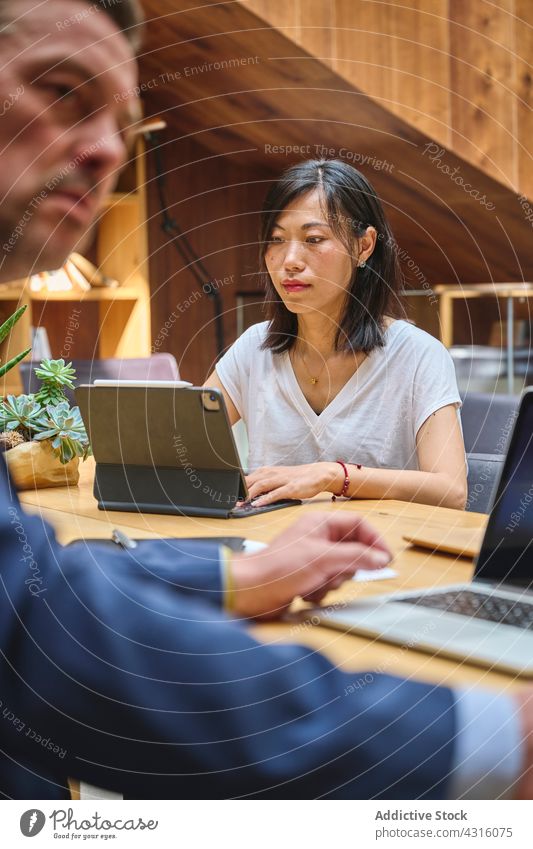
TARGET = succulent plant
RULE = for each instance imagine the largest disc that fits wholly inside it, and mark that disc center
(63, 425)
(46, 415)
(10, 439)
(5, 329)
(20, 412)
(54, 376)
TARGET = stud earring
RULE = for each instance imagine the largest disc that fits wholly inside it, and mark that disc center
(361, 264)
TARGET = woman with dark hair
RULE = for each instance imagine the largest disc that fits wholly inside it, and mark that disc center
(338, 392)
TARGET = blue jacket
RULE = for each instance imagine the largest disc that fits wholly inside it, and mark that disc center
(121, 670)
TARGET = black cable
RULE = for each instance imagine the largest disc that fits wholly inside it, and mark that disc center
(184, 248)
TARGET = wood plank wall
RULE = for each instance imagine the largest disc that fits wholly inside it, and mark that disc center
(523, 48)
(459, 71)
(215, 203)
(444, 67)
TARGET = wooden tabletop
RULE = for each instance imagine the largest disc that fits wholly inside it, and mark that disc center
(74, 514)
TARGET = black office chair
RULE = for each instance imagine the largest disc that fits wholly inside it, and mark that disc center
(161, 366)
(487, 421)
(483, 473)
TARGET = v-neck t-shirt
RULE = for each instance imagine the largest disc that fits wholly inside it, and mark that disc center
(373, 420)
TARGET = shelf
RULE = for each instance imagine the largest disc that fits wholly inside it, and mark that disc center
(121, 199)
(483, 290)
(10, 294)
(122, 293)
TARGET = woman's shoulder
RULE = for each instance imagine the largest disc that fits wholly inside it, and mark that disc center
(245, 356)
(420, 357)
(401, 333)
(253, 337)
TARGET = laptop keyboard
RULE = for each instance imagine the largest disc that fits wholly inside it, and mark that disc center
(244, 507)
(504, 611)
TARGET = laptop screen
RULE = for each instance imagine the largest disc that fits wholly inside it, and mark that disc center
(507, 551)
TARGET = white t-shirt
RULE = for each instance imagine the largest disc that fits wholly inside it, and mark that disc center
(373, 420)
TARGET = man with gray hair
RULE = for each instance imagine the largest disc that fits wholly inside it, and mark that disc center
(124, 671)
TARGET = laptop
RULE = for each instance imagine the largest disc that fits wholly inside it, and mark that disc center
(165, 449)
(490, 620)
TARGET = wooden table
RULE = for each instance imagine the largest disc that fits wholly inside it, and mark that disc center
(448, 293)
(74, 514)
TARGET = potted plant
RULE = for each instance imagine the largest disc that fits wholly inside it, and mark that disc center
(42, 436)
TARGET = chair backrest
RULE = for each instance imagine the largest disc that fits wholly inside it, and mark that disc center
(487, 421)
(483, 474)
(161, 366)
(477, 367)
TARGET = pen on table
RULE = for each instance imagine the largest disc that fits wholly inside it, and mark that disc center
(123, 539)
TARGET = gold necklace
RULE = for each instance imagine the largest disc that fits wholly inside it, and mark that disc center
(312, 378)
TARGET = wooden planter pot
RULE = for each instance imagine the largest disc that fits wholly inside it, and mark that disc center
(34, 464)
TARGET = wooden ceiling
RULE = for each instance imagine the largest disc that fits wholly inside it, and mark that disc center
(237, 88)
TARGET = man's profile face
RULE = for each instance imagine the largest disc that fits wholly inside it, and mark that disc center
(66, 80)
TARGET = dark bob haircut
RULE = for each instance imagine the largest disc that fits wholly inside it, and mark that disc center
(350, 206)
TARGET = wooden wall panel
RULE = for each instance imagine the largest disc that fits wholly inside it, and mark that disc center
(285, 15)
(523, 44)
(364, 48)
(67, 340)
(215, 202)
(483, 113)
(421, 76)
(309, 23)
(396, 51)
(458, 71)
(449, 233)
(222, 117)
(317, 29)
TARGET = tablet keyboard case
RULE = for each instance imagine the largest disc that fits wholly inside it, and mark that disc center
(158, 450)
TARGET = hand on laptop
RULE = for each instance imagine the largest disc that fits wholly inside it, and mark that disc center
(315, 555)
(273, 483)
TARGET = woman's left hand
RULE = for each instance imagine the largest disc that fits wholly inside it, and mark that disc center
(273, 483)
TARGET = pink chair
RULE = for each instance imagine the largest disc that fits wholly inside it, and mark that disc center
(160, 366)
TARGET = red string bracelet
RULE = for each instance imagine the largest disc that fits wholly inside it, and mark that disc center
(346, 483)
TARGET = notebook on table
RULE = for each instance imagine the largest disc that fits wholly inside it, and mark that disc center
(490, 620)
(463, 542)
(161, 449)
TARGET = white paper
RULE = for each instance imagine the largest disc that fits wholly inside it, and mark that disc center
(374, 574)
(252, 546)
